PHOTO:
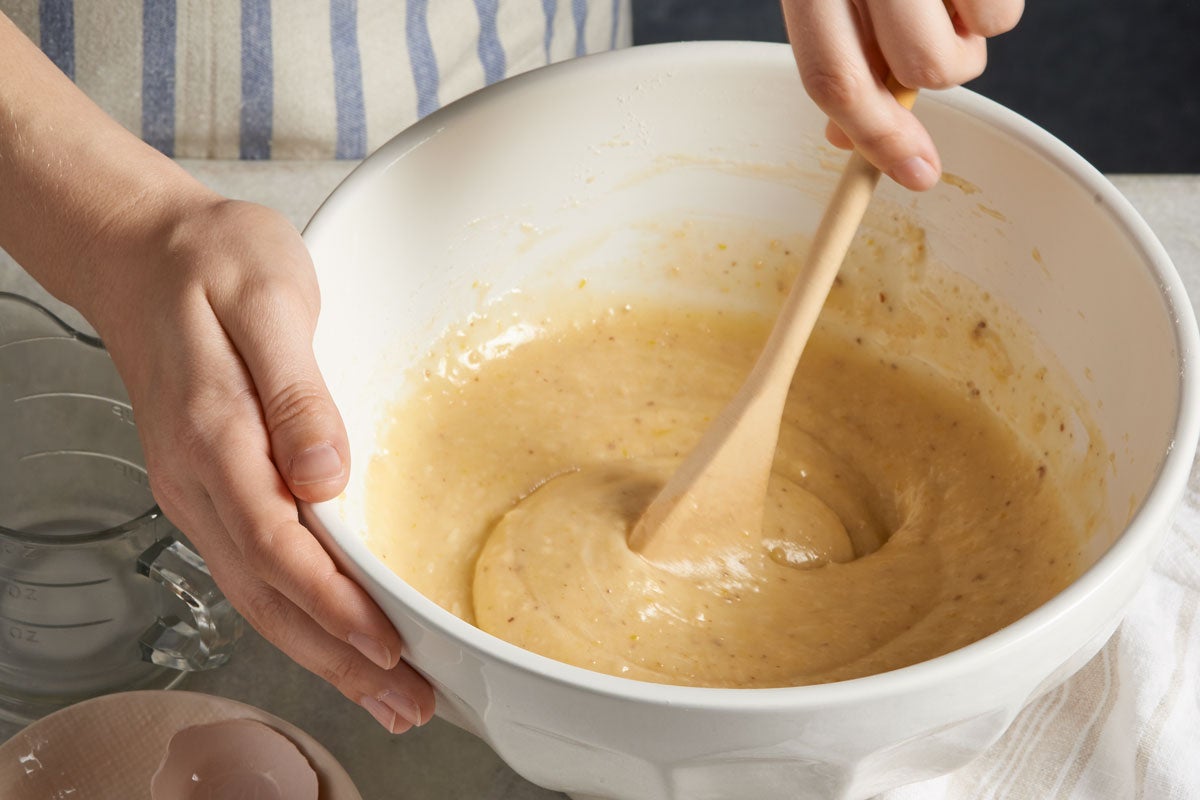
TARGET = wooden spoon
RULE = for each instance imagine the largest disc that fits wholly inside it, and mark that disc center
(715, 499)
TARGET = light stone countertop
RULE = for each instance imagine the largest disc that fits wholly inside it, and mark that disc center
(438, 761)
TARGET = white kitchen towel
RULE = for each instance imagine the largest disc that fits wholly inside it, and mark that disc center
(1126, 726)
(301, 79)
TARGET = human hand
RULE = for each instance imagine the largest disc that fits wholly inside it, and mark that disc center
(208, 308)
(845, 49)
(210, 325)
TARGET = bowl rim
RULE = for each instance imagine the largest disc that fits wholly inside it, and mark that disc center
(1148, 521)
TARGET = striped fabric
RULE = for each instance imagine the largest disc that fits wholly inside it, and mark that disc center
(301, 79)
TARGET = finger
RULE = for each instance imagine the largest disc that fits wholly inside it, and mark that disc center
(398, 698)
(833, 132)
(837, 137)
(221, 434)
(308, 439)
(922, 46)
(271, 324)
(829, 43)
(989, 18)
(257, 509)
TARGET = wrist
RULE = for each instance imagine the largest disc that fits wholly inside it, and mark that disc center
(82, 197)
(127, 247)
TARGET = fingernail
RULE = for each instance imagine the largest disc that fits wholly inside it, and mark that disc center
(405, 707)
(372, 648)
(915, 173)
(395, 711)
(316, 465)
(382, 714)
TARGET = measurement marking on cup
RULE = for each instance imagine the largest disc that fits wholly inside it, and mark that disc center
(87, 453)
(75, 585)
(57, 626)
(122, 410)
(135, 473)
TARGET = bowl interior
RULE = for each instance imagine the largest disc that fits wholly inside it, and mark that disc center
(566, 174)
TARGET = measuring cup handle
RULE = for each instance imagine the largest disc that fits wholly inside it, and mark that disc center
(207, 640)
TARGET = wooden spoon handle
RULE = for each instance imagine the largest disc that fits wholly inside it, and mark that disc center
(831, 242)
(724, 479)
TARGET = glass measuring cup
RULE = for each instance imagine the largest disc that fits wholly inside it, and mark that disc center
(97, 593)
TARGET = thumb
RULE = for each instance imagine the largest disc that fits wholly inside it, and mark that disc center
(308, 439)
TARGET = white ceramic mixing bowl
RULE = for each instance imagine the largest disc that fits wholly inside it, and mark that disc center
(544, 177)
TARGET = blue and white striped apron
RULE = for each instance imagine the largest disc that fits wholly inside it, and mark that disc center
(300, 79)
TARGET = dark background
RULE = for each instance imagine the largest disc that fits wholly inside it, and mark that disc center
(1117, 80)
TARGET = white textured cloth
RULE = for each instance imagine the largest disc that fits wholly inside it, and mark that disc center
(1126, 726)
(301, 79)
